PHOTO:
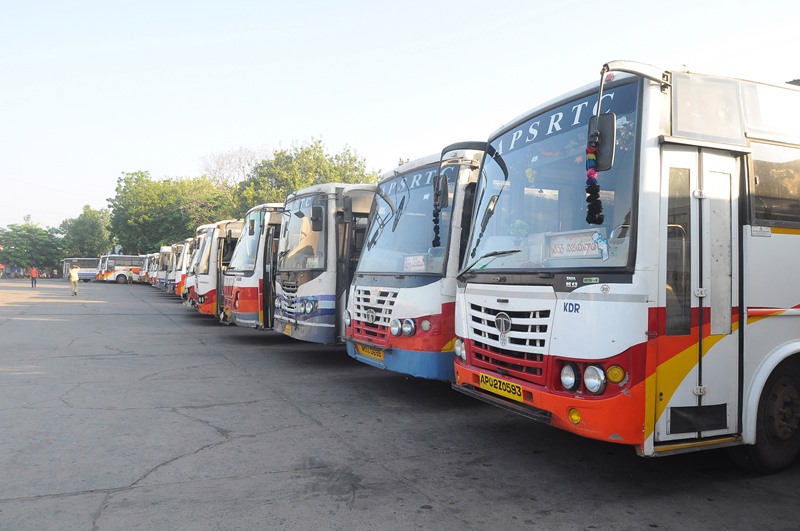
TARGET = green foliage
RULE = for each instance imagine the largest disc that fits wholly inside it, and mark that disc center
(26, 245)
(147, 213)
(87, 235)
(296, 168)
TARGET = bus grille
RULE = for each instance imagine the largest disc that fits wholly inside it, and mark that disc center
(373, 313)
(290, 294)
(521, 353)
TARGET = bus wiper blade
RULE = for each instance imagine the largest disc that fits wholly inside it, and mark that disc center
(490, 254)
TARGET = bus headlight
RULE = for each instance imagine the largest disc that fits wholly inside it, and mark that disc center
(395, 327)
(346, 317)
(570, 376)
(308, 307)
(409, 327)
(460, 351)
(277, 304)
(594, 379)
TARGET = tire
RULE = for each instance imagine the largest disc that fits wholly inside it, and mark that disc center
(122, 279)
(777, 424)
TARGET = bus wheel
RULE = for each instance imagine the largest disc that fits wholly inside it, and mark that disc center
(777, 425)
(122, 279)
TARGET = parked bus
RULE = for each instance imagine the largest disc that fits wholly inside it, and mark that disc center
(149, 269)
(215, 251)
(87, 267)
(621, 280)
(249, 282)
(401, 306)
(172, 267)
(190, 287)
(163, 264)
(119, 268)
(321, 238)
(182, 264)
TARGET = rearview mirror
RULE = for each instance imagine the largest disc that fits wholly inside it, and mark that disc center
(316, 218)
(603, 134)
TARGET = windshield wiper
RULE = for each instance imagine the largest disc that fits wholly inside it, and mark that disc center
(490, 254)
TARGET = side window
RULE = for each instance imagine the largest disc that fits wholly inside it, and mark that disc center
(776, 184)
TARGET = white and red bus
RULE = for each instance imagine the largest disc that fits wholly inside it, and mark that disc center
(401, 308)
(164, 262)
(622, 279)
(183, 251)
(249, 281)
(322, 235)
(215, 250)
(119, 268)
(189, 294)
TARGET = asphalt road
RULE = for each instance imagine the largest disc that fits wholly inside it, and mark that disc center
(122, 409)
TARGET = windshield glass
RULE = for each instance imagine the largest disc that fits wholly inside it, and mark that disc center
(531, 211)
(402, 236)
(244, 256)
(201, 245)
(300, 247)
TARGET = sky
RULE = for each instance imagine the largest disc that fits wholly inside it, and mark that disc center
(90, 89)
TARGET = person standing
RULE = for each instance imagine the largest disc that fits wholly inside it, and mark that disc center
(74, 278)
(34, 276)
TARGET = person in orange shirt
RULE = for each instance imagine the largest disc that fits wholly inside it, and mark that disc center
(34, 276)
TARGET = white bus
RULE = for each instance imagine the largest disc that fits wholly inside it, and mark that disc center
(164, 264)
(184, 257)
(321, 237)
(623, 279)
(87, 267)
(120, 268)
(249, 282)
(401, 306)
(215, 250)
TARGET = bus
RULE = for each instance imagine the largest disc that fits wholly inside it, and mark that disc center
(120, 268)
(87, 267)
(321, 238)
(184, 257)
(164, 263)
(215, 252)
(189, 294)
(249, 282)
(401, 307)
(621, 277)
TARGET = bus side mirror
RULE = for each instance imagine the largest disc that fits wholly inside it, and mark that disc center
(316, 218)
(440, 192)
(347, 209)
(251, 229)
(603, 133)
(489, 211)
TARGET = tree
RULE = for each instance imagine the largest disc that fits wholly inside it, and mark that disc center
(27, 245)
(146, 214)
(87, 235)
(226, 170)
(292, 169)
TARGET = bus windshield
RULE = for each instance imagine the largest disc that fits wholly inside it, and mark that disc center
(302, 248)
(405, 234)
(244, 256)
(531, 211)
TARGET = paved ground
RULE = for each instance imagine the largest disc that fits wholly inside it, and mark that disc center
(122, 409)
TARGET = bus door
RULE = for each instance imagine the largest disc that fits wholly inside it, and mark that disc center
(268, 276)
(698, 372)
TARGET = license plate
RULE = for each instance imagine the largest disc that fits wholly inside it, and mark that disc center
(371, 352)
(287, 329)
(500, 387)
